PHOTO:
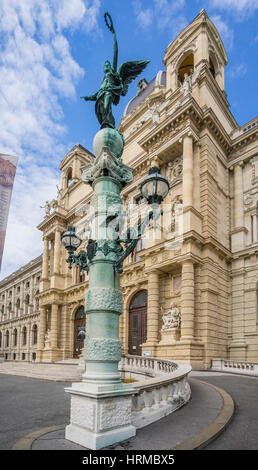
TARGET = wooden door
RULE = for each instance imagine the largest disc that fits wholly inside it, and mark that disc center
(137, 330)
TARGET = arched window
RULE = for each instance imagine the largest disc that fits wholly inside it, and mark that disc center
(186, 67)
(9, 310)
(24, 336)
(69, 177)
(18, 303)
(27, 302)
(212, 68)
(35, 334)
(2, 312)
(15, 335)
(0, 339)
(7, 338)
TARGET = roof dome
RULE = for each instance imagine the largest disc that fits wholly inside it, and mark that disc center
(143, 91)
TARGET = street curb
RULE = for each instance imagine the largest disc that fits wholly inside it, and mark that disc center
(213, 430)
(25, 443)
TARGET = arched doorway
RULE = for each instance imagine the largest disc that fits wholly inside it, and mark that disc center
(137, 322)
(79, 329)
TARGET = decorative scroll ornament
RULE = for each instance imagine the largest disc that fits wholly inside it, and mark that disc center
(172, 318)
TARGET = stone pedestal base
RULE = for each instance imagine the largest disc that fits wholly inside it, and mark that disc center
(169, 336)
(102, 418)
(183, 351)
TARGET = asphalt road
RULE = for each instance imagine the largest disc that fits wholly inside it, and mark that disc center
(28, 404)
(242, 432)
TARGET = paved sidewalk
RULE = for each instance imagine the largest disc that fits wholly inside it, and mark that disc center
(57, 372)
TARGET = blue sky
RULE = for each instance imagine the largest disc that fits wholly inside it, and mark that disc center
(53, 51)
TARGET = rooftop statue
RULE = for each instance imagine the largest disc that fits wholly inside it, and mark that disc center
(114, 84)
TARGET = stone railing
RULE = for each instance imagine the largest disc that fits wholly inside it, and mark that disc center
(234, 367)
(250, 125)
(161, 387)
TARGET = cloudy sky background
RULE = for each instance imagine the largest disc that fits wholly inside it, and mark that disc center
(52, 52)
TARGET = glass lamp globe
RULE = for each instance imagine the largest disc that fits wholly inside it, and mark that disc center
(154, 187)
(70, 240)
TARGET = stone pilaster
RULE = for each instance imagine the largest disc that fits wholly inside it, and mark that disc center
(237, 347)
(187, 300)
(42, 329)
(44, 284)
(45, 259)
(239, 231)
(54, 326)
(57, 252)
(192, 219)
(28, 341)
(188, 170)
(18, 343)
(238, 195)
(153, 312)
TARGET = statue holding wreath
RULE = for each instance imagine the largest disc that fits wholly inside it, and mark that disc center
(114, 84)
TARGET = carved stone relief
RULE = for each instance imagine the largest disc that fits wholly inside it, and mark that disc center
(172, 318)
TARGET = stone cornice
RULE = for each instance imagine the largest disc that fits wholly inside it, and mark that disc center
(246, 253)
(187, 116)
(242, 141)
(52, 221)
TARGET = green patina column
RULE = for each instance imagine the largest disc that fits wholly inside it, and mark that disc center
(103, 301)
(101, 404)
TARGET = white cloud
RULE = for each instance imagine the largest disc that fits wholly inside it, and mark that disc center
(224, 30)
(144, 18)
(238, 71)
(37, 70)
(244, 7)
(163, 13)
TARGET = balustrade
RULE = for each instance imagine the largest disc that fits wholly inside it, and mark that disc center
(161, 387)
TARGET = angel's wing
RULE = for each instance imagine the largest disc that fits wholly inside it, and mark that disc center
(129, 71)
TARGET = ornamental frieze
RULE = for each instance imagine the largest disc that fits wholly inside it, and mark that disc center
(104, 298)
(102, 349)
(162, 138)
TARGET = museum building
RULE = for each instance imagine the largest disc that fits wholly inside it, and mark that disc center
(190, 290)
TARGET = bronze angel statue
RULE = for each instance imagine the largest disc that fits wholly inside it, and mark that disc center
(114, 84)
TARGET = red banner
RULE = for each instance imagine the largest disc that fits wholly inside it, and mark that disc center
(8, 165)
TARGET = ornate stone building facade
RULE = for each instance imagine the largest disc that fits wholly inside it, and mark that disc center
(190, 292)
(19, 313)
